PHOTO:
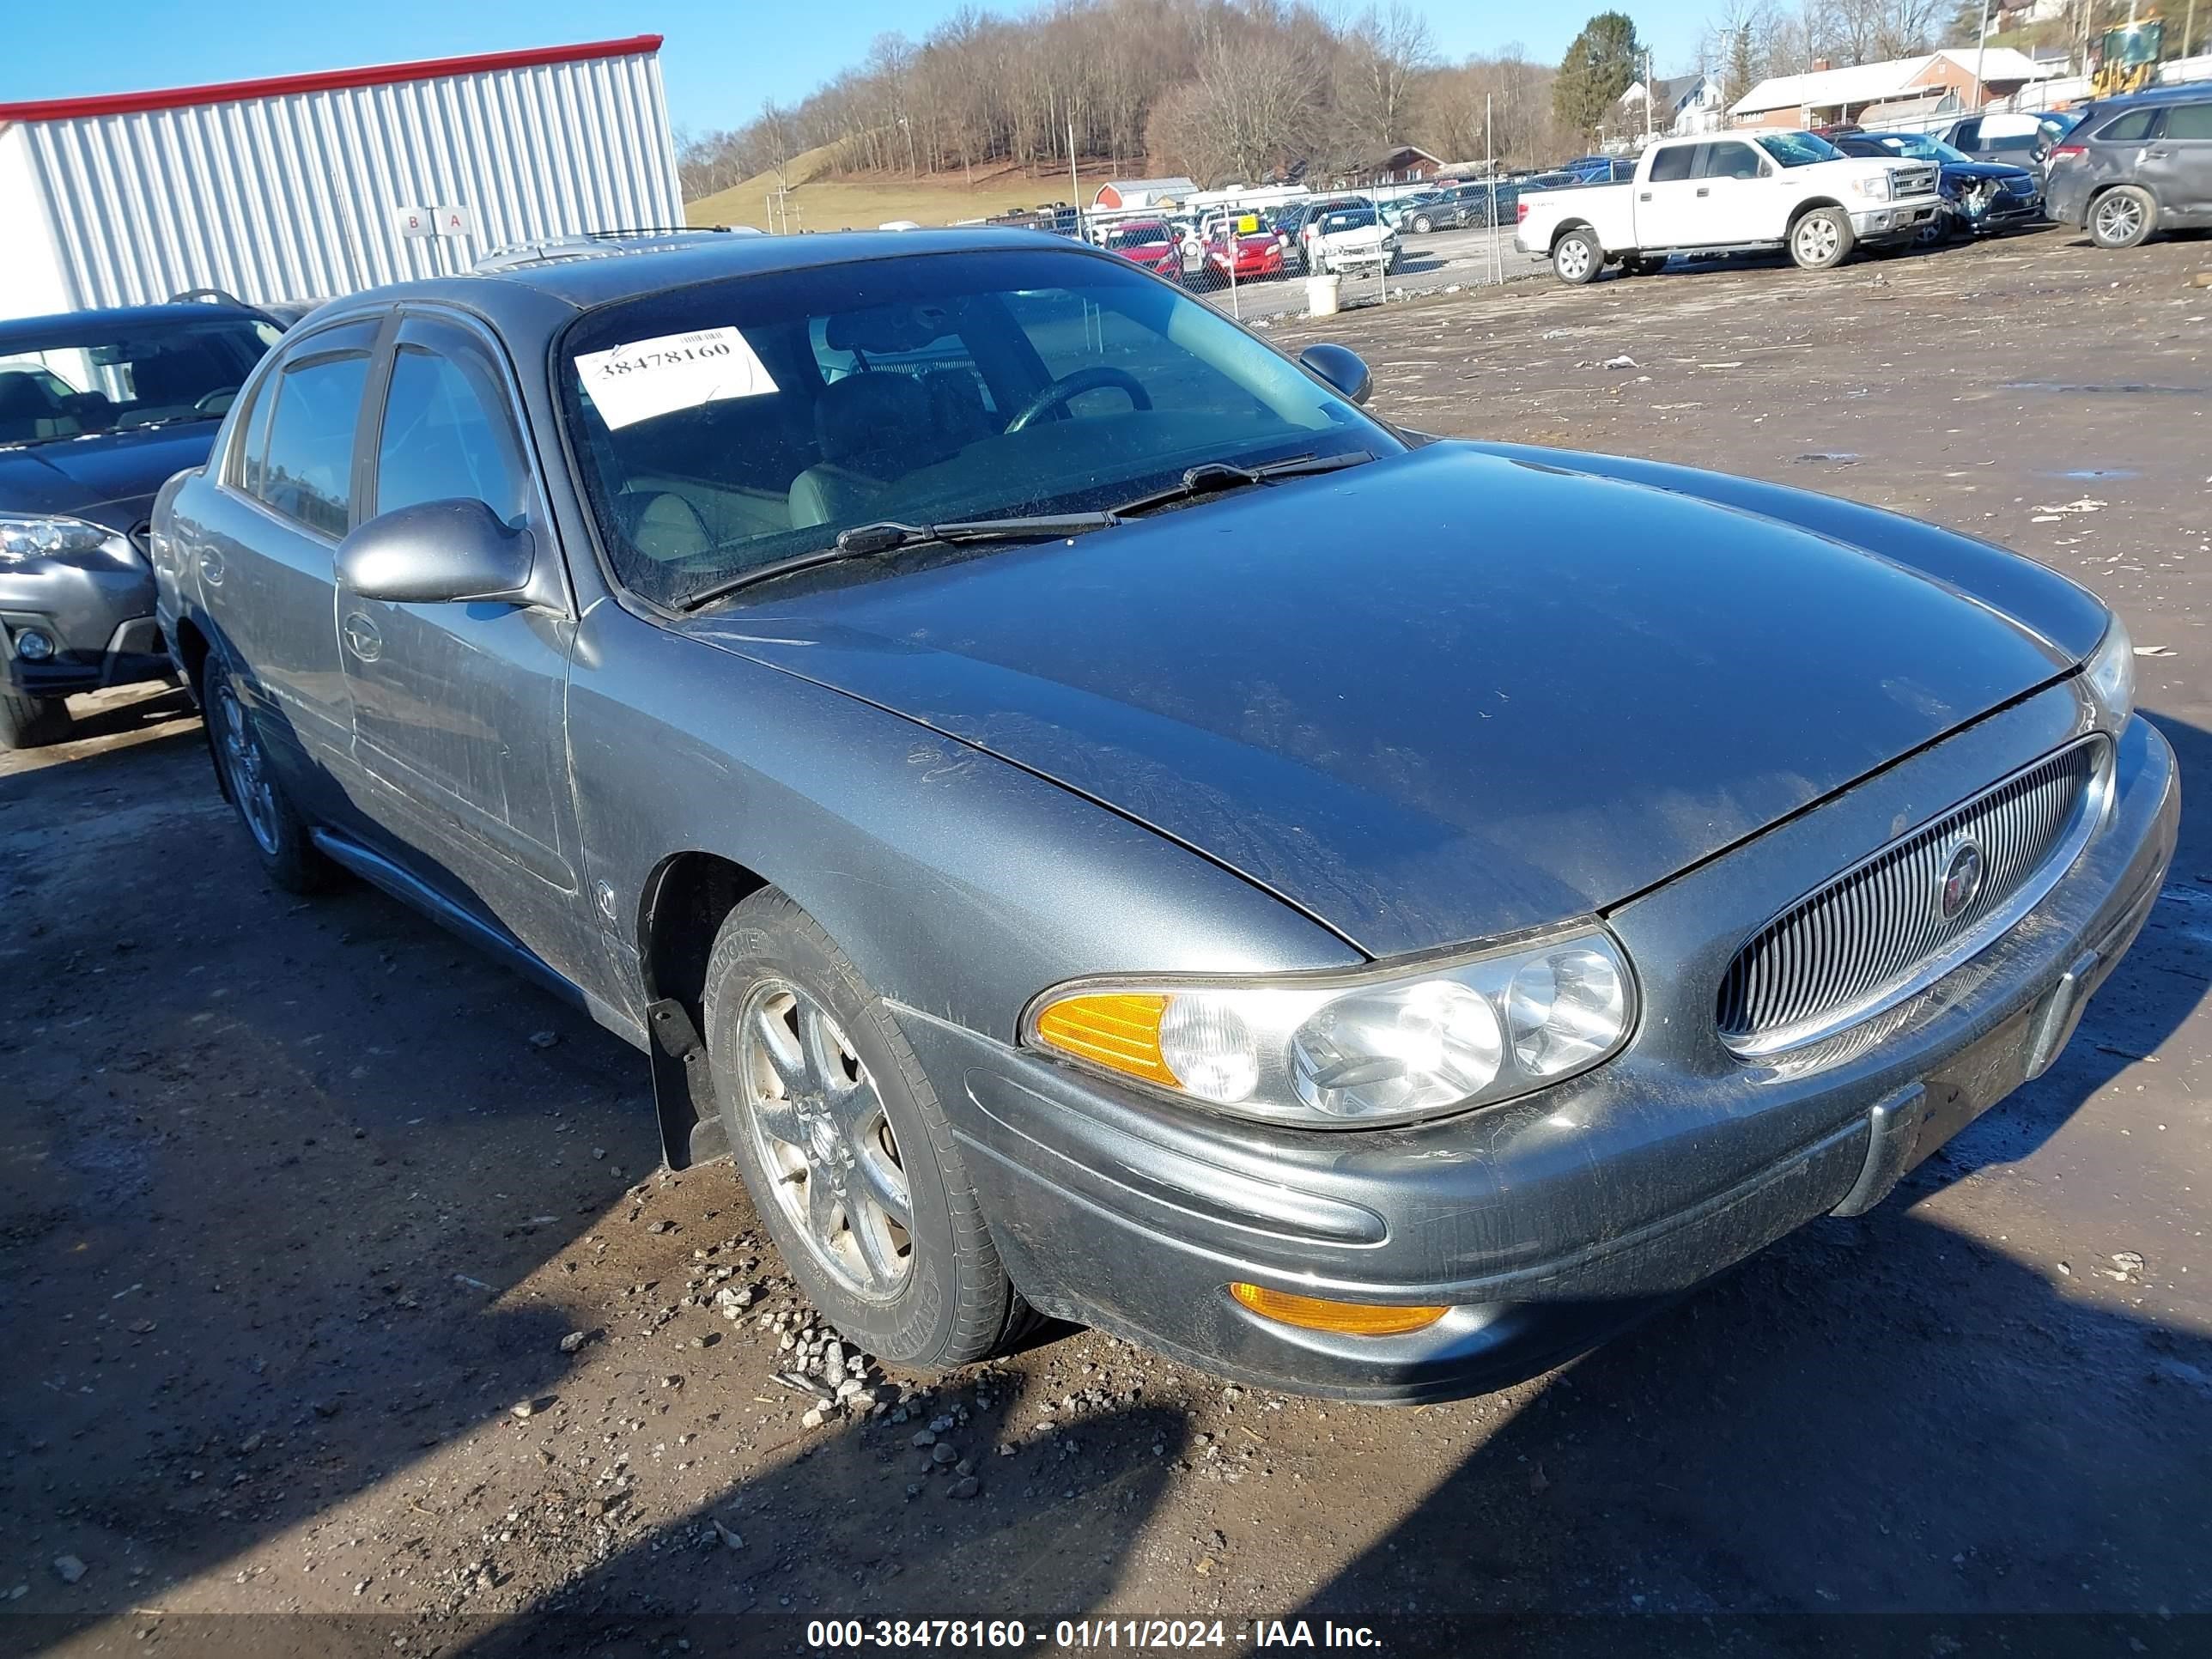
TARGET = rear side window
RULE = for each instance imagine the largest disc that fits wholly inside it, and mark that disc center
(306, 469)
(2131, 128)
(2189, 121)
(446, 437)
(1968, 136)
(1673, 163)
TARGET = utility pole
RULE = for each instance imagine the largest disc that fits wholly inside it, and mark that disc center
(1074, 185)
(1981, 46)
(1650, 93)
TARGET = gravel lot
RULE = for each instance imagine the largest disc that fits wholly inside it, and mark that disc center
(298, 1201)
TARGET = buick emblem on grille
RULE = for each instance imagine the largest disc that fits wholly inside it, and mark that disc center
(1962, 879)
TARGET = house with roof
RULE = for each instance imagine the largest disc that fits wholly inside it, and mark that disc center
(1679, 104)
(1899, 91)
(1142, 193)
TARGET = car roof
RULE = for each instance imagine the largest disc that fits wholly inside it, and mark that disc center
(20, 331)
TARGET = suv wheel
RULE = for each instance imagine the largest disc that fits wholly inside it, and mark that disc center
(841, 1141)
(288, 857)
(1822, 239)
(1422, 226)
(32, 722)
(2123, 217)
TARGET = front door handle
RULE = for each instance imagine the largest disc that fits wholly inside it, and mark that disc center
(362, 637)
(1704, 190)
(1645, 196)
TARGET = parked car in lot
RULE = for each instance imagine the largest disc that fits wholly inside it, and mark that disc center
(1344, 238)
(873, 744)
(2016, 138)
(97, 408)
(1147, 242)
(1292, 221)
(1980, 198)
(1242, 249)
(2132, 166)
(1731, 194)
(1459, 208)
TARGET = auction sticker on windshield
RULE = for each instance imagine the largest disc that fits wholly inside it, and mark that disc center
(646, 378)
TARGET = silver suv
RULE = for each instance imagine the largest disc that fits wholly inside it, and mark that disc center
(2134, 166)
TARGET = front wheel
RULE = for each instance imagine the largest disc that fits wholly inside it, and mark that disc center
(288, 857)
(1934, 231)
(27, 722)
(2122, 217)
(1422, 227)
(1822, 239)
(841, 1141)
(1576, 258)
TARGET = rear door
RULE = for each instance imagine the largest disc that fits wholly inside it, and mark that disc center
(1670, 200)
(458, 708)
(266, 562)
(2177, 163)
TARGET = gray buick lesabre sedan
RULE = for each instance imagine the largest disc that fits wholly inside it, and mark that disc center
(1092, 822)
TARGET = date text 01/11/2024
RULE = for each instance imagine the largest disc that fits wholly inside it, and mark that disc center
(1074, 1634)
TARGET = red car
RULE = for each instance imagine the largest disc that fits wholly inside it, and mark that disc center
(1257, 253)
(1147, 242)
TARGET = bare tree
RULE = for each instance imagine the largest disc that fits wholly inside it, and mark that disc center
(1390, 49)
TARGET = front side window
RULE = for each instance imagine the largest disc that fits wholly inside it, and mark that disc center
(724, 426)
(1730, 161)
(446, 437)
(305, 472)
(79, 377)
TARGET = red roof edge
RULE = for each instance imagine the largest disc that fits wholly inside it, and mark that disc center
(283, 86)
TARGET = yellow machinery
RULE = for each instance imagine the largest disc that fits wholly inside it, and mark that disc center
(2127, 57)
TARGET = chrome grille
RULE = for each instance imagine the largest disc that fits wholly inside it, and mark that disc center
(1911, 181)
(1876, 933)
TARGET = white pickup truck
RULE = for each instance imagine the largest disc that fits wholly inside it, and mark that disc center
(1728, 193)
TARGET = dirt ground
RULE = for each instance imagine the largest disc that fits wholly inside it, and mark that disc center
(299, 1200)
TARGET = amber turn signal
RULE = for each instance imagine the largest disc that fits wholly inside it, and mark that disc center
(1350, 1318)
(1119, 1030)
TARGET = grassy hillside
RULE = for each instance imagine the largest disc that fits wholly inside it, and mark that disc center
(825, 201)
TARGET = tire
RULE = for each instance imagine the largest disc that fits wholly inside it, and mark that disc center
(2122, 217)
(27, 722)
(1421, 226)
(1822, 239)
(277, 834)
(833, 1128)
(1576, 258)
(1937, 231)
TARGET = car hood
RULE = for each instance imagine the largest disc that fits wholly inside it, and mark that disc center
(108, 477)
(1968, 172)
(1440, 697)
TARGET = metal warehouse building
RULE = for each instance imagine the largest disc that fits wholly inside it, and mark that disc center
(311, 186)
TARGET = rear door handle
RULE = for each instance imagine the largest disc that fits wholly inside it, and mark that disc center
(1645, 196)
(1704, 190)
(362, 637)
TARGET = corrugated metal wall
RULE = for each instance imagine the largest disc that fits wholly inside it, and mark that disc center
(297, 196)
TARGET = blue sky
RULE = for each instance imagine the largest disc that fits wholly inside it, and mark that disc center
(722, 56)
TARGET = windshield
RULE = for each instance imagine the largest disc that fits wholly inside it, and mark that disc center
(1921, 148)
(1799, 149)
(724, 426)
(86, 375)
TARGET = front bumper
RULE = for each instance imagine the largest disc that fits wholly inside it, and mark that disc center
(1895, 221)
(1548, 1222)
(99, 614)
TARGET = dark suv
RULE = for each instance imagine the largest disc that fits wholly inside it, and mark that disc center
(97, 410)
(2134, 166)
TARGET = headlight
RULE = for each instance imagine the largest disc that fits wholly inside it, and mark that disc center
(1354, 1050)
(2110, 674)
(1875, 189)
(41, 538)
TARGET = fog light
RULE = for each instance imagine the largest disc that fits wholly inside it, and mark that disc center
(31, 646)
(1348, 1318)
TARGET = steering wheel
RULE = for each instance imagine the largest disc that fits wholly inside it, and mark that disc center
(216, 402)
(1068, 387)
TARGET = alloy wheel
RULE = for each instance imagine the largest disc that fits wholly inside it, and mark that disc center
(1574, 258)
(1817, 240)
(2119, 218)
(246, 769)
(820, 1131)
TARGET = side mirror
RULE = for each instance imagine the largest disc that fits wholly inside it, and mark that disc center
(437, 552)
(1341, 367)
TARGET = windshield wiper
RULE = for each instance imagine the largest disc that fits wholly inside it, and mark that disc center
(870, 541)
(1213, 478)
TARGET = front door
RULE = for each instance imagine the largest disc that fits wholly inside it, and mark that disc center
(458, 709)
(1735, 201)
